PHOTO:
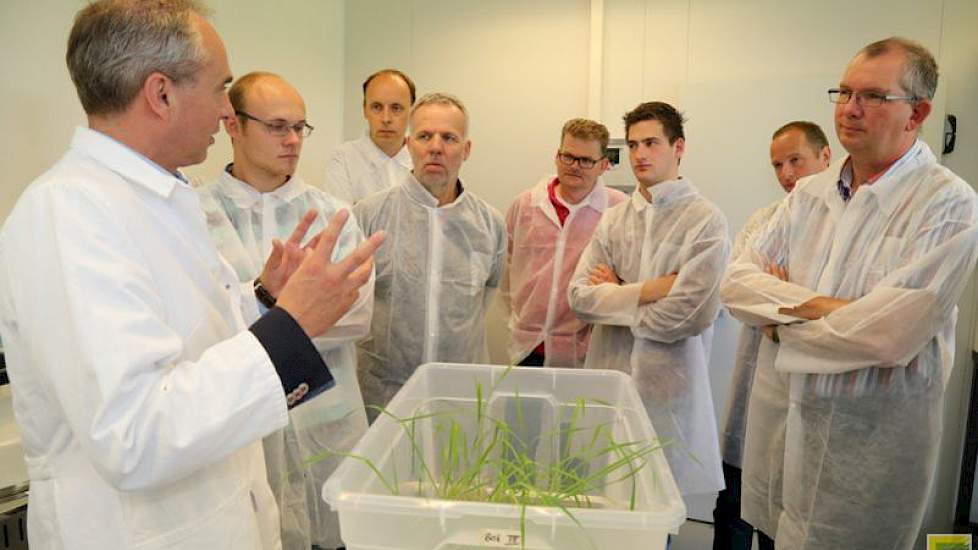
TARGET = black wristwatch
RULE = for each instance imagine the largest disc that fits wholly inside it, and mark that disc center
(263, 295)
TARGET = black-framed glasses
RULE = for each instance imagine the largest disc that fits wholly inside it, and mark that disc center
(584, 162)
(866, 99)
(280, 128)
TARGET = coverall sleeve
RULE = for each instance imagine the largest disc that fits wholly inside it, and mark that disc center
(753, 296)
(606, 303)
(891, 324)
(694, 300)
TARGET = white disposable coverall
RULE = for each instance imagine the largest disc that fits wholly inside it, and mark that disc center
(848, 408)
(140, 395)
(745, 358)
(243, 222)
(542, 257)
(436, 274)
(358, 168)
(663, 345)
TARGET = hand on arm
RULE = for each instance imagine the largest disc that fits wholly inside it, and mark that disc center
(816, 308)
(602, 273)
(813, 309)
(656, 289)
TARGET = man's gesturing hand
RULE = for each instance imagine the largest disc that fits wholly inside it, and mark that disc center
(320, 291)
(286, 257)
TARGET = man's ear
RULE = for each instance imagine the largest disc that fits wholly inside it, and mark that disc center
(157, 91)
(680, 146)
(921, 109)
(232, 126)
(825, 155)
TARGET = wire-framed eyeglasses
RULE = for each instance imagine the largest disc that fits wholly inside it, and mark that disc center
(280, 128)
(843, 96)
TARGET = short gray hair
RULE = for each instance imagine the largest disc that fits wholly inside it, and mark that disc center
(920, 71)
(442, 99)
(115, 45)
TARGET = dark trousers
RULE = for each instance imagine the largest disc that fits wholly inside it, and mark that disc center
(534, 359)
(730, 531)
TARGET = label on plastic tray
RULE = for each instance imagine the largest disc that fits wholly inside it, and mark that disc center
(505, 539)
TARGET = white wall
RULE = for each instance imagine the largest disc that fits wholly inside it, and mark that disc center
(739, 70)
(519, 79)
(39, 108)
(301, 40)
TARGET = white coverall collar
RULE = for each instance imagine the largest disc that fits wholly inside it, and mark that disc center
(246, 196)
(597, 199)
(893, 184)
(419, 194)
(888, 188)
(663, 193)
(378, 157)
(125, 161)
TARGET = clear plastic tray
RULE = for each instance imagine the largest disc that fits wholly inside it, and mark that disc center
(540, 404)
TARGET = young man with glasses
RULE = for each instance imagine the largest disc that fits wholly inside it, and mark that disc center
(255, 201)
(548, 227)
(378, 160)
(854, 281)
(649, 282)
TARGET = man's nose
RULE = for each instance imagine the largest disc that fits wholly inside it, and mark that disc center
(292, 137)
(227, 112)
(854, 108)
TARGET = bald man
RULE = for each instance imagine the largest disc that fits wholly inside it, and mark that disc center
(256, 200)
(380, 159)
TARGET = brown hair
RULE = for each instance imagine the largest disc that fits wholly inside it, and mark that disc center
(667, 115)
(582, 128)
(813, 133)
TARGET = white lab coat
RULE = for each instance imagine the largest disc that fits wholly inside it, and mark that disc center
(745, 357)
(541, 260)
(436, 275)
(243, 222)
(140, 396)
(851, 404)
(358, 168)
(663, 345)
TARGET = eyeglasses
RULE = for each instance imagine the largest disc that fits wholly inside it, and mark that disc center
(584, 162)
(866, 99)
(281, 128)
